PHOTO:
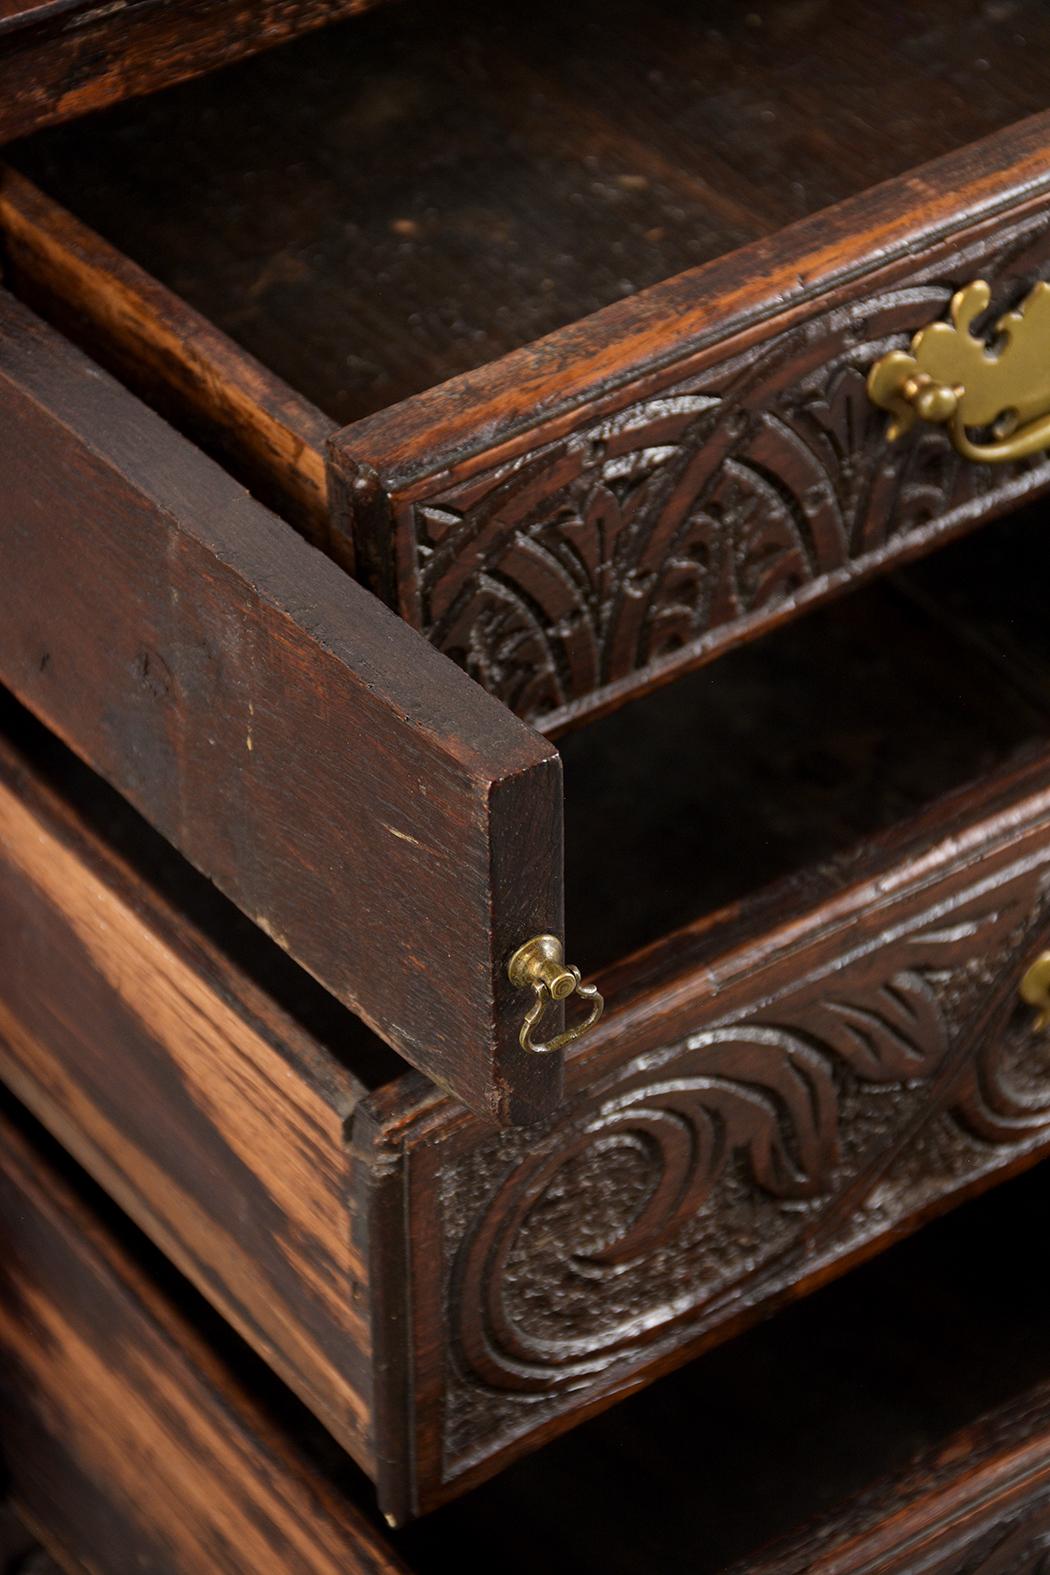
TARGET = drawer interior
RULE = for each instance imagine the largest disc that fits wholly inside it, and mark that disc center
(390, 202)
(804, 747)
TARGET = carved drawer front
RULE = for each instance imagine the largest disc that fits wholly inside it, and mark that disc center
(738, 470)
(784, 1110)
(580, 391)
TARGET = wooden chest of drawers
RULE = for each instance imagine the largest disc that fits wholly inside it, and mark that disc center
(376, 319)
(572, 523)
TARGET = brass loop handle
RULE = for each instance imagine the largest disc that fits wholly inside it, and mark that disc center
(540, 964)
(955, 378)
(1035, 989)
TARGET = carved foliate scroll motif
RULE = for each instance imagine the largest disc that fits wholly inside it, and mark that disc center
(692, 511)
(694, 1172)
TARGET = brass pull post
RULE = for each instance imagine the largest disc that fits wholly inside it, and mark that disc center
(540, 965)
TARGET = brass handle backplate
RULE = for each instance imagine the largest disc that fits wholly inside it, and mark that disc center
(967, 382)
(540, 965)
(1035, 989)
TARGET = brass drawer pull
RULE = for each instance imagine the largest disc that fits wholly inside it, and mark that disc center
(540, 964)
(956, 378)
(1035, 989)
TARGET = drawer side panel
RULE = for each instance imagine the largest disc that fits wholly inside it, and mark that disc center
(128, 1442)
(205, 1111)
(341, 782)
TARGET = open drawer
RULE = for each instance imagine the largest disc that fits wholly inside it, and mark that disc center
(835, 1050)
(390, 216)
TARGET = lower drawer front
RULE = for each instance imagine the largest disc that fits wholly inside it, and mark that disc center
(801, 1100)
(446, 1295)
(128, 1442)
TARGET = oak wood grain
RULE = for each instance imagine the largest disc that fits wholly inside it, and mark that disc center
(346, 786)
(62, 58)
(625, 499)
(696, 460)
(853, 1031)
(825, 1406)
(417, 192)
(201, 1105)
(702, 313)
(756, 1113)
(128, 1440)
(875, 1408)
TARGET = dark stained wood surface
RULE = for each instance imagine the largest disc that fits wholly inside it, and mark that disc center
(830, 1401)
(853, 1031)
(62, 58)
(388, 823)
(271, 438)
(736, 1132)
(420, 190)
(447, 190)
(776, 1091)
(647, 486)
(832, 1398)
(793, 751)
(20, 1554)
(203, 1107)
(979, 1504)
(128, 1442)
